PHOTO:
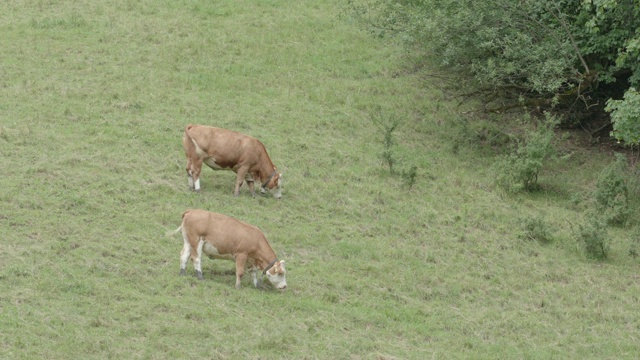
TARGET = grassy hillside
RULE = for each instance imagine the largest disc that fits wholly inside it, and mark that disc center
(94, 97)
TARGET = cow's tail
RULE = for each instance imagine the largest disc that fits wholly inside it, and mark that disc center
(171, 233)
(186, 132)
(187, 140)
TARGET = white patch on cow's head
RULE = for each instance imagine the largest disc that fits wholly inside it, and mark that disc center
(276, 191)
(277, 275)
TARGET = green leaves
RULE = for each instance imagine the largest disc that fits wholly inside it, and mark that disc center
(625, 116)
(519, 170)
(530, 53)
(612, 193)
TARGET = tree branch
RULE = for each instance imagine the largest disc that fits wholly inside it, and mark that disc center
(570, 35)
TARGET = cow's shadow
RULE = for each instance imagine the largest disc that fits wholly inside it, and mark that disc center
(215, 272)
(222, 275)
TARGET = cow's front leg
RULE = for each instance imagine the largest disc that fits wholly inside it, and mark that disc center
(189, 176)
(190, 181)
(250, 183)
(241, 259)
(254, 277)
(240, 175)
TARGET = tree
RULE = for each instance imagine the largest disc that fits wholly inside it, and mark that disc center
(564, 55)
(625, 116)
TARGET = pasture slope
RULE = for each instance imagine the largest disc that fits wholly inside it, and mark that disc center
(94, 96)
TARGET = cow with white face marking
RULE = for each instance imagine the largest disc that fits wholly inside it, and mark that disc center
(223, 237)
(223, 149)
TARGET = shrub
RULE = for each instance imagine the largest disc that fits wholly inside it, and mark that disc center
(409, 176)
(519, 170)
(387, 127)
(533, 53)
(593, 236)
(535, 228)
(611, 193)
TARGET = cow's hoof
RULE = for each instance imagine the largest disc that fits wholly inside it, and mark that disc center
(199, 275)
(183, 272)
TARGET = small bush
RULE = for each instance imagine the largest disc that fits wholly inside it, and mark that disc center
(593, 236)
(612, 193)
(409, 176)
(537, 229)
(387, 127)
(389, 159)
(519, 170)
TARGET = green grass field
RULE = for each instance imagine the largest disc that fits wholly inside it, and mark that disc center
(94, 97)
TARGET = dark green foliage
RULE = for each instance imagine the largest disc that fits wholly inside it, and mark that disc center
(519, 170)
(625, 116)
(612, 194)
(409, 176)
(566, 55)
(496, 46)
(606, 32)
(387, 126)
(593, 237)
(389, 156)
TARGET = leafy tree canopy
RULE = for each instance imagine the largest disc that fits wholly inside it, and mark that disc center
(571, 56)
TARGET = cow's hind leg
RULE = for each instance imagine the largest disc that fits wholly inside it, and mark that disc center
(184, 257)
(250, 183)
(197, 263)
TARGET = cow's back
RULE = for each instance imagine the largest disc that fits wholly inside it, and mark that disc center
(228, 235)
(227, 147)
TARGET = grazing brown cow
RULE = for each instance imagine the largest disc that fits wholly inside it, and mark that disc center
(224, 149)
(223, 237)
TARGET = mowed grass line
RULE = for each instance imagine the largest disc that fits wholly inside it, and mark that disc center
(94, 98)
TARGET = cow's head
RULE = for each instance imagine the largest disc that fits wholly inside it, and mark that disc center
(274, 185)
(276, 275)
